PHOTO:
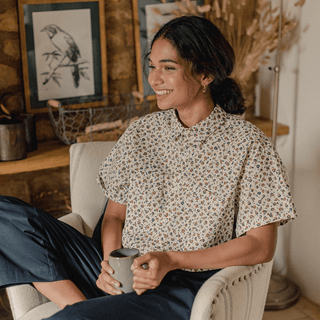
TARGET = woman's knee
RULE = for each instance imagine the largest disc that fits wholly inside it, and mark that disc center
(78, 311)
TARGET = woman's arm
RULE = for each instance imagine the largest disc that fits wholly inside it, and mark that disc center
(111, 234)
(257, 246)
(111, 229)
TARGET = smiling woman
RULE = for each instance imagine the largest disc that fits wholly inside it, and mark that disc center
(192, 187)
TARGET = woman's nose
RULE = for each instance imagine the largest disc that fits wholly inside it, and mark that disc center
(155, 77)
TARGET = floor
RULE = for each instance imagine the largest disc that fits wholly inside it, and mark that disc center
(304, 309)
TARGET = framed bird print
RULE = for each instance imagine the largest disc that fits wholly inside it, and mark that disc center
(63, 45)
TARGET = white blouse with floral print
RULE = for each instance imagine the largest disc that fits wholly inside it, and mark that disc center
(194, 188)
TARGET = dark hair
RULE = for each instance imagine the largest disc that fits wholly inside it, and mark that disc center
(199, 42)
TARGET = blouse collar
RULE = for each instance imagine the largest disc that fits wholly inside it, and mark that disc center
(201, 130)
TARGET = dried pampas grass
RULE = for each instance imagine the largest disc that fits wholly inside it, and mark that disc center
(185, 7)
(251, 26)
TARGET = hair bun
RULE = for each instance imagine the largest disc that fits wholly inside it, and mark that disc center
(228, 96)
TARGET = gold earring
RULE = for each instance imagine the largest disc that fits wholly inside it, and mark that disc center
(204, 89)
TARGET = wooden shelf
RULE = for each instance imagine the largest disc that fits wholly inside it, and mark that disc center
(265, 125)
(51, 154)
(54, 154)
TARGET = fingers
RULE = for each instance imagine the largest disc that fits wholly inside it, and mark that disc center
(105, 281)
(140, 291)
(140, 285)
(141, 261)
(146, 273)
(144, 280)
(105, 265)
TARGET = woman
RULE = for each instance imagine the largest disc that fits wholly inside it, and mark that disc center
(193, 187)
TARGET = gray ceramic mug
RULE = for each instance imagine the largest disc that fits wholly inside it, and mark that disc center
(120, 261)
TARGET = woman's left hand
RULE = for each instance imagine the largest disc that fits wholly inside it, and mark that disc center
(159, 264)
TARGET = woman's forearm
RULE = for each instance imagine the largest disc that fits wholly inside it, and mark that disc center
(111, 229)
(111, 236)
(256, 247)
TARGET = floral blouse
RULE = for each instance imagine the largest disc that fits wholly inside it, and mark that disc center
(194, 188)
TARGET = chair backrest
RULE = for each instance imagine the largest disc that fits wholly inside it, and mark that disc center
(87, 198)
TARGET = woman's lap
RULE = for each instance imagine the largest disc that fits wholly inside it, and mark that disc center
(173, 299)
(36, 247)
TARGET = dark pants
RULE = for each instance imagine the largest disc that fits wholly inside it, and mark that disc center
(35, 247)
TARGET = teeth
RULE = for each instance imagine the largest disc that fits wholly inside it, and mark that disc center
(163, 92)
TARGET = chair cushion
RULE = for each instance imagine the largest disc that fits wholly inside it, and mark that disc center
(74, 220)
(42, 311)
(87, 198)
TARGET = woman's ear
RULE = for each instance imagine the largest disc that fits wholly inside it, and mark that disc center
(206, 80)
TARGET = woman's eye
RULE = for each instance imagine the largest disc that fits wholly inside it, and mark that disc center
(164, 69)
(169, 68)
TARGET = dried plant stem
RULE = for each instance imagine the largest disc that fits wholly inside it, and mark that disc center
(251, 26)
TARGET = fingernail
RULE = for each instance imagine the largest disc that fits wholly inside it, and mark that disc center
(118, 292)
(110, 271)
(116, 284)
(145, 266)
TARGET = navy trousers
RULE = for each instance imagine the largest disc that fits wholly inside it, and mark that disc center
(36, 247)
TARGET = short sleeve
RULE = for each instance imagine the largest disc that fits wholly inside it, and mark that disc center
(264, 193)
(113, 176)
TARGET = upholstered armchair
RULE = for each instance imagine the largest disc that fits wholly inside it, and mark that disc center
(237, 293)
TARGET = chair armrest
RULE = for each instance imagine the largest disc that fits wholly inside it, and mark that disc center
(41, 312)
(24, 298)
(234, 293)
(74, 220)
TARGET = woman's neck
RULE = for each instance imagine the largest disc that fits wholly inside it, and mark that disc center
(191, 117)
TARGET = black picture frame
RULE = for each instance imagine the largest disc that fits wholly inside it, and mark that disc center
(63, 47)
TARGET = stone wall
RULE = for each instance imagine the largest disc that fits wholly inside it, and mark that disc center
(10, 58)
(49, 189)
(120, 54)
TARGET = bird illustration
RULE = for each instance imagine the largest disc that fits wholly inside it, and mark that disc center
(68, 48)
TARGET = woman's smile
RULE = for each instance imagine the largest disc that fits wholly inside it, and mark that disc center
(163, 92)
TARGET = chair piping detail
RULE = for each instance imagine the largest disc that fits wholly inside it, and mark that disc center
(247, 278)
(248, 281)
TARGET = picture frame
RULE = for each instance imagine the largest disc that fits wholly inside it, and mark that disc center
(63, 49)
(145, 22)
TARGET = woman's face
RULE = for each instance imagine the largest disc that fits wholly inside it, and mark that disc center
(171, 80)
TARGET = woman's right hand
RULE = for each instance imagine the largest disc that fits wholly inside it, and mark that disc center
(105, 281)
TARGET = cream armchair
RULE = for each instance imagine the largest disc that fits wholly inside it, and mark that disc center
(237, 293)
